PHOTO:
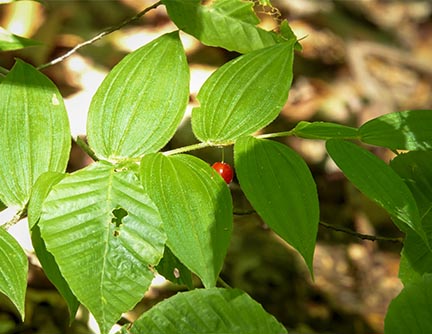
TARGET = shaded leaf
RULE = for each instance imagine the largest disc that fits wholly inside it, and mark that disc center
(217, 311)
(408, 130)
(104, 233)
(39, 192)
(52, 271)
(416, 171)
(324, 130)
(9, 41)
(411, 310)
(375, 179)
(13, 270)
(196, 208)
(280, 187)
(230, 24)
(35, 132)
(139, 105)
(172, 269)
(244, 95)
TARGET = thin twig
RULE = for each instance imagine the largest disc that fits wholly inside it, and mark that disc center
(99, 36)
(339, 229)
(360, 235)
(15, 219)
(84, 146)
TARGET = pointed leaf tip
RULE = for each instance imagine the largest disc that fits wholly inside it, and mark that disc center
(280, 187)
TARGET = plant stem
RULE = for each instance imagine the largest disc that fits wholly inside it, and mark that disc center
(187, 148)
(81, 143)
(15, 219)
(276, 134)
(222, 283)
(99, 36)
(3, 71)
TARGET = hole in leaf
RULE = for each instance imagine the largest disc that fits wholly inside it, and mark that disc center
(117, 219)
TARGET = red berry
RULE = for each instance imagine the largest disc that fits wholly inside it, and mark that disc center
(224, 170)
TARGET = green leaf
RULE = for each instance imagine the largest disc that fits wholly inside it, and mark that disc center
(230, 24)
(417, 253)
(9, 41)
(408, 130)
(172, 269)
(139, 105)
(280, 187)
(324, 130)
(196, 208)
(407, 273)
(216, 311)
(39, 192)
(104, 233)
(53, 273)
(375, 179)
(13, 270)
(244, 95)
(35, 132)
(416, 171)
(411, 310)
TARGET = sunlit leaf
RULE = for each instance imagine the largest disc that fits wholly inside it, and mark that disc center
(230, 24)
(324, 130)
(140, 103)
(34, 130)
(409, 130)
(13, 270)
(104, 233)
(195, 206)
(411, 310)
(244, 95)
(280, 187)
(216, 311)
(375, 179)
(9, 41)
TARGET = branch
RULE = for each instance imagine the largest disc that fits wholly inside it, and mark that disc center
(361, 235)
(99, 36)
(340, 229)
(15, 219)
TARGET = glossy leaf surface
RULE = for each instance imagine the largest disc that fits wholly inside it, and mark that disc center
(13, 270)
(230, 24)
(195, 205)
(140, 103)
(411, 310)
(244, 95)
(216, 311)
(35, 132)
(375, 179)
(408, 130)
(104, 233)
(280, 187)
